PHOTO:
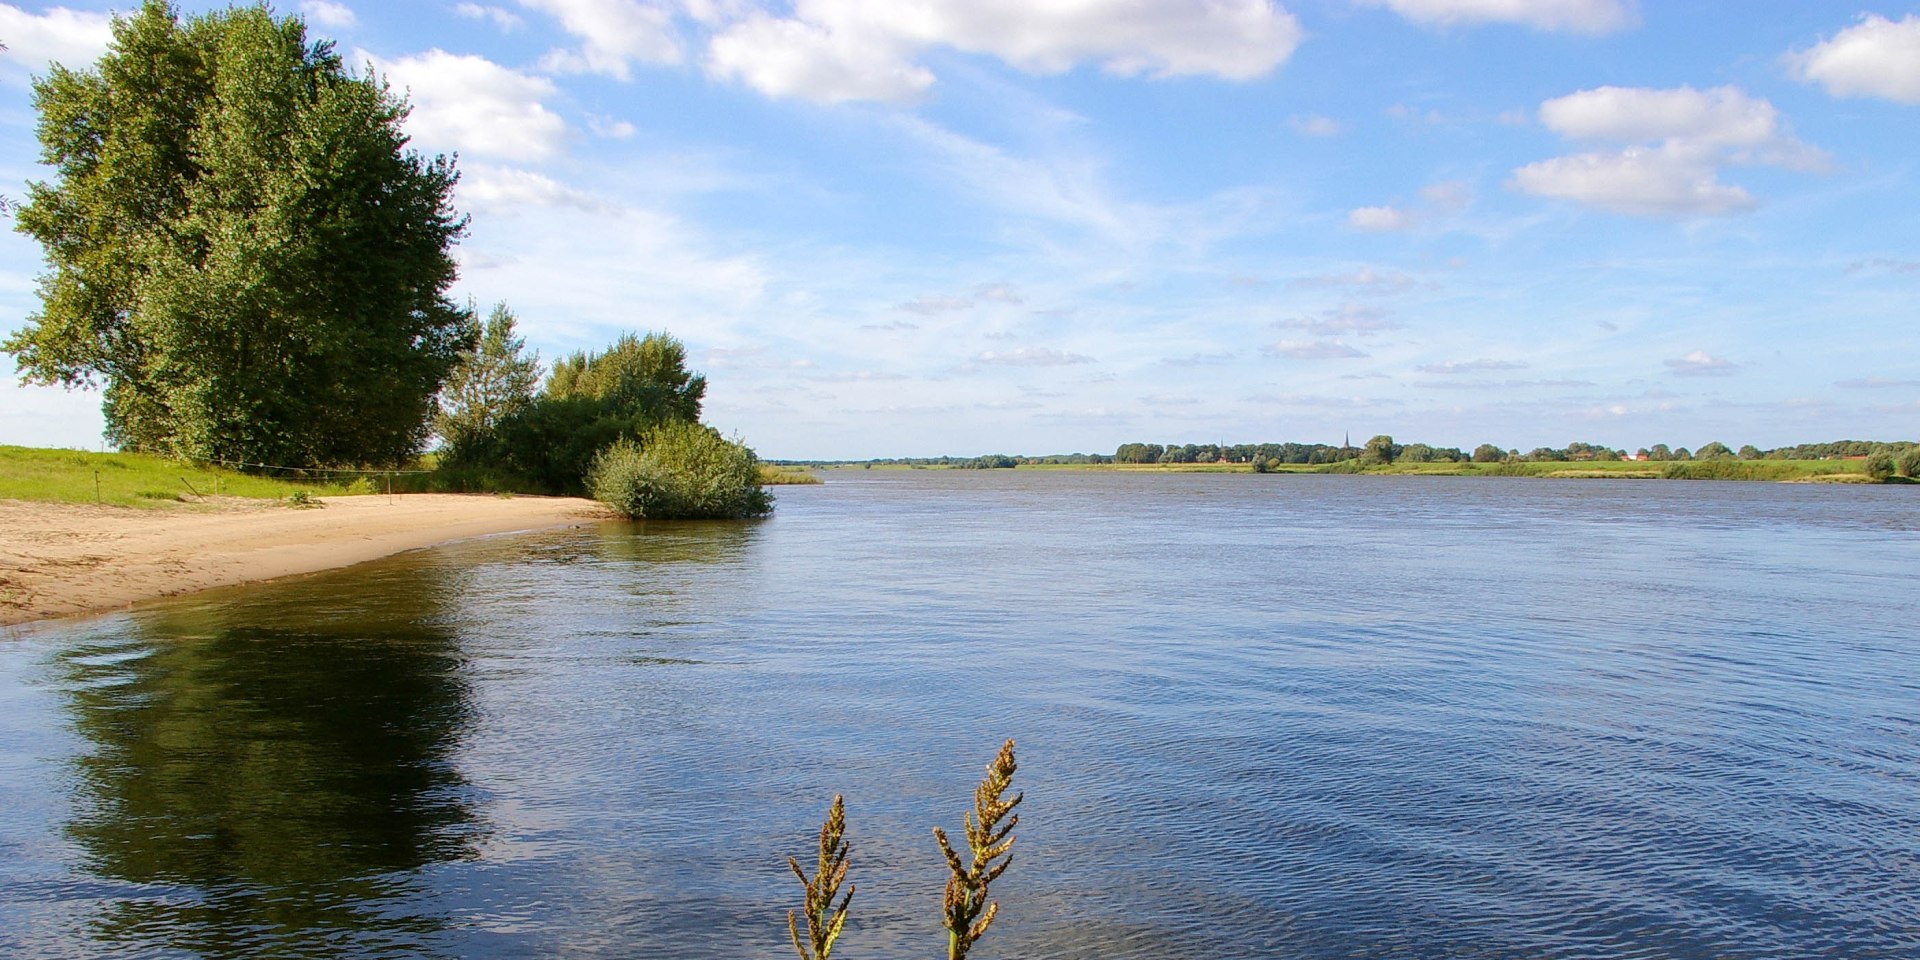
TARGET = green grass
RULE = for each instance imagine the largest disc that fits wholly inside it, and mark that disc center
(135, 480)
(773, 476)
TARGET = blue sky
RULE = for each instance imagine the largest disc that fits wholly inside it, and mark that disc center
(914, 227)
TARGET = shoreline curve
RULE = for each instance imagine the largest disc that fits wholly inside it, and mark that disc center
(62, 559)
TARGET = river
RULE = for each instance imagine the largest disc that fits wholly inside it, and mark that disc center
(1257, 716)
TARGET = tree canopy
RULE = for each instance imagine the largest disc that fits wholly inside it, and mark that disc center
(589, 402)
(492, 382)
(241, 248)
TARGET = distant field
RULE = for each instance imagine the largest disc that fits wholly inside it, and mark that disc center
(1108, 467)
(777, 476)
(1833, 471)
(133, 479)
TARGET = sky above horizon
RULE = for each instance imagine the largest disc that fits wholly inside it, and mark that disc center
(924, 227)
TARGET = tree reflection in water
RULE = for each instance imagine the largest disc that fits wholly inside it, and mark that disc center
(273, 771)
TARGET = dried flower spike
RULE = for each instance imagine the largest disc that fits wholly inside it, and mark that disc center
(968, 911)
(824, 920)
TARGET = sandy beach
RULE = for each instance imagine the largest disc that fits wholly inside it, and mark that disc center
(59, 559)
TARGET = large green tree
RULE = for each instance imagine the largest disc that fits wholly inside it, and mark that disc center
(242, 249)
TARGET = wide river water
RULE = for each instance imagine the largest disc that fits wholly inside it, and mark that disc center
(1258, 716)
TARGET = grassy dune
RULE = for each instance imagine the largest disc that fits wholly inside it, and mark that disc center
(133, 479)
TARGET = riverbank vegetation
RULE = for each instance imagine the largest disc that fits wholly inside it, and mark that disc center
(145, 480)
(1844, 461)
(242, 250)
(248, 258)
(679, 471)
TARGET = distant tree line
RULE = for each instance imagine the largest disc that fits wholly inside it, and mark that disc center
(1384, 449)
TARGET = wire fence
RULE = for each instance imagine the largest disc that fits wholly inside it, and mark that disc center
(331, 471)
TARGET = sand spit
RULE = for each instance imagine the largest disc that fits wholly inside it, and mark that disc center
(60, 559)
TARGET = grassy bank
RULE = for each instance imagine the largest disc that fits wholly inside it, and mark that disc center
(132, 479)
(141, 480)
(778, 476)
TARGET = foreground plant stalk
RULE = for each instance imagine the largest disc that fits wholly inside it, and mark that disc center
(969, 911)
(824, 919)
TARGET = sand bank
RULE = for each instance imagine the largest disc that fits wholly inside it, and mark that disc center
(58, 559)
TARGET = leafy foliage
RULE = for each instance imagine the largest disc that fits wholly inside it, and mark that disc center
(590, 402)
(493, 381)
(241, 249)
(1880, 466)
(679, 471)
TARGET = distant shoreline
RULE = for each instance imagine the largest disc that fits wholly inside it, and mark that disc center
(64, 559)
(1779, 471)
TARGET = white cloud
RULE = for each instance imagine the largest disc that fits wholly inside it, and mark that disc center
(471, 104)
(793, 58)
(1675, 142)
(1721, 117)
(1032, 357)
(1448, 196)
(1875, 383)
(1439, 200)
(932, 304)
(1471, 366)
(1636, 181)
(613, 35)
(1315, 125)
(333, 16)
(68, 37)
(1319, 401)
(1365, 277)
(490, 188)
(1347, 318)
(1578, 16)
(505, 19)
(837, 50)
(611, 128)
(1699, 363)
(1876, 57)
(1379, 219)
(1313, 350)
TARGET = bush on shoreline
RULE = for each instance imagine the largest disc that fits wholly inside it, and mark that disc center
(679, 471)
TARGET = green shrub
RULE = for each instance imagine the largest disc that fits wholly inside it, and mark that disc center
(1910, 464)
(1880, 466)
(679, 471)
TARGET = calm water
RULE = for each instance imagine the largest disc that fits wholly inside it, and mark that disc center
(1279, 717)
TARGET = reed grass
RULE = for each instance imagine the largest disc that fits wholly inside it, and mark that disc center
(777, 476)
(967, 908)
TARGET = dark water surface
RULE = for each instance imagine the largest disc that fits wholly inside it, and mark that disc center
(1282, 717)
